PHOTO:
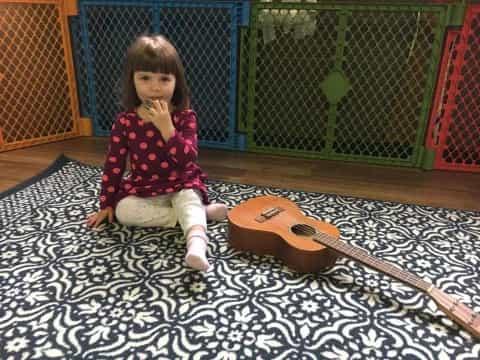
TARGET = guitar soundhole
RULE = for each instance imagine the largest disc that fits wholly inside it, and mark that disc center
(303, 230)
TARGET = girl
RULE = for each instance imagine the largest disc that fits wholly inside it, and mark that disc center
(158, 133)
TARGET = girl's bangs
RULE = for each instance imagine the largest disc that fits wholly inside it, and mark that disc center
(155, 60)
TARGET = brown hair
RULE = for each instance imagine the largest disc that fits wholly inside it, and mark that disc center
(156, 54)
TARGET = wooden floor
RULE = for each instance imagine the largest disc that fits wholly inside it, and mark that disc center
(435, 188)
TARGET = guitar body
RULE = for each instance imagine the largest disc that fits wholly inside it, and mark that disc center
(286, 235)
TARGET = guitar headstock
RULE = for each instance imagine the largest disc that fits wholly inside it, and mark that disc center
(458, 312)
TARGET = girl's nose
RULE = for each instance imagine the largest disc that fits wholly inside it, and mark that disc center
(156, 86)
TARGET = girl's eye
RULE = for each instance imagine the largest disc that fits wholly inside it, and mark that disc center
(165, 78)
(144, 77)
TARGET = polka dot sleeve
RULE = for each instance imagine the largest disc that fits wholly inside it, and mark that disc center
(182, 147)
(114, 163)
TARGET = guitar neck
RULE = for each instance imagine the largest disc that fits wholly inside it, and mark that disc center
(362, 256)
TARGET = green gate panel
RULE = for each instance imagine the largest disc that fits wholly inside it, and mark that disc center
(341, 81)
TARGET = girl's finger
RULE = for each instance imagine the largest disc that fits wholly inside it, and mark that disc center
(110, 217)
(99, 221)
(90, 220)
(164, 105)
(157, 105)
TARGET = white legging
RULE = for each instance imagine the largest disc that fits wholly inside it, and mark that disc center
(184, 206)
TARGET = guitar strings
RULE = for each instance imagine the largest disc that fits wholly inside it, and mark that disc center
(331, 241)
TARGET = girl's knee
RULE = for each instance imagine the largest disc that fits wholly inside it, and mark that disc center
(138, 212)
(131, 217)
(124, 211)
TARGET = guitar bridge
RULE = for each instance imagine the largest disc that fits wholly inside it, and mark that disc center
(268, 214)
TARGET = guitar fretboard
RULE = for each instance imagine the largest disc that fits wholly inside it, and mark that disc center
(362, 256)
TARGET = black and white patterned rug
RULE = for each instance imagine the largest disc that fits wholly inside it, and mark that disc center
(69, 292)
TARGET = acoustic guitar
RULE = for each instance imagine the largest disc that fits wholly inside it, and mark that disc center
(276, 226)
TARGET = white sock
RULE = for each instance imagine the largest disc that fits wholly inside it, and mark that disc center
(196, 256)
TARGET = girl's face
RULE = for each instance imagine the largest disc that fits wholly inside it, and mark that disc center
(154, 86)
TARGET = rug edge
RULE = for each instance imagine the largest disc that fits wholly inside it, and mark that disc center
(56, 165)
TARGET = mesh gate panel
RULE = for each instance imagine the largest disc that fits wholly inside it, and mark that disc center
(80, 66)
(205, 52)
(457, 117)
(341, 81)
(463, 143)
(243, 79)
(35, 95)
(289, 112)
(111, 29)
(205, 34)
(387, 58)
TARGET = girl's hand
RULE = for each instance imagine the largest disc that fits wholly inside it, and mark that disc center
(158, 113)
(96, 219)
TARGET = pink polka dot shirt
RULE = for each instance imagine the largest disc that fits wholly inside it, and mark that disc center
(157, 167)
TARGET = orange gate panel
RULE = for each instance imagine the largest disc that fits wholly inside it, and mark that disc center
(38, 98)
